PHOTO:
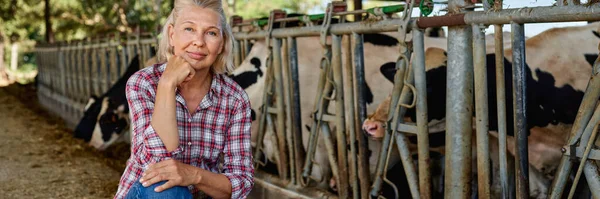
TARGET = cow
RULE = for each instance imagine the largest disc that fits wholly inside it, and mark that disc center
(558, 68)
(380, 50)
(106, 118)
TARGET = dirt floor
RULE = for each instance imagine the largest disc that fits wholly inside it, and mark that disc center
(39, 158)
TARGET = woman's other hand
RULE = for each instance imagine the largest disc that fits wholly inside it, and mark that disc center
(178, 71)
(172, 171)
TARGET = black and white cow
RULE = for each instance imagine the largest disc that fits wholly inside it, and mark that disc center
(106, 118)
(379, 49)
(558, 69)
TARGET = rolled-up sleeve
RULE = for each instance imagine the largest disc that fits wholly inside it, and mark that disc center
(237, 164)
(140, 97)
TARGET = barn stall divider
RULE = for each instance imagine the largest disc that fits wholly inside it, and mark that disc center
(70, 73)
(466, 58)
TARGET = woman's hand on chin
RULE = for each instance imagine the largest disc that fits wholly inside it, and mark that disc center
(172, 171)
(178, 71)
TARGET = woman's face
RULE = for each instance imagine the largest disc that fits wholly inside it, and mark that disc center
(197, 36)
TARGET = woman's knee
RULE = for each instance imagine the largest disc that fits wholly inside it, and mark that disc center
(139, 191)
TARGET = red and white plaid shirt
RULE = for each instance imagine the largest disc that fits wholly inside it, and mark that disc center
(221, 125)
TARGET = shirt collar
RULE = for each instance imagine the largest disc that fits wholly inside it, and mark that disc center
(213, 94)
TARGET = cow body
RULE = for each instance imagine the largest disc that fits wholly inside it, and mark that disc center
(557, 72)
(106, 118)
(380, 52)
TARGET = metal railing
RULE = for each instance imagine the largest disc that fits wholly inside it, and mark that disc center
(70, 72)
(466, 63)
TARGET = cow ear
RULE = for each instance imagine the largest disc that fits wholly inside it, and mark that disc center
(596, 33)
(388, 70)
(591, 58)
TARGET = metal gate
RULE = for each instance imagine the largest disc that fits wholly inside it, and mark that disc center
(466, 65)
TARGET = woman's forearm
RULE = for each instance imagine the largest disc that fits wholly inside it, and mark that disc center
(213, 184)
(164, 119)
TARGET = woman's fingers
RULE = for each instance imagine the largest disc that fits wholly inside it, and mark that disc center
(157, 178)
(165, 186)
(191, 73)
(148, 175)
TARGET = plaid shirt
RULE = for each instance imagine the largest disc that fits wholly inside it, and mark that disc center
(220, 126)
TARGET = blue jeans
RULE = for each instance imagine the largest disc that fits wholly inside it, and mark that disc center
(138, 191)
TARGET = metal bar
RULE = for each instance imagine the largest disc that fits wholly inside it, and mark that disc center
(387, 137)
(247, 48)
(282, 188)
(237, 55)
(350, 115)
(520, 114)
(481, 111)
(323, 89)
(594, 153)
(342, 152)
(593, 177)
(589, 101)
(326, 132)
(266, 99)
(280, 125)
(401, 140)
(359, 71)
(459, 106)
(589, 142)
(422, 117)
(296, 109)
(519, 15)
(501, 109)
(286, 78)
(536, 15)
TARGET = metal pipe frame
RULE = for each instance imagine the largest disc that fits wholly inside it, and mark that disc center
(342, 152)
(282, 188)
(387, 137)
(501, 109)
(359, 72)
(401, 140)
(481, 111)
(237, 55)
(324, 90)
(351, 123)
(459, 109)
(586, 142)
(593, 177)
(288, 109)
(520, 106)
(589, 101)
(266, 99)
(294, 87)
(422, 117)
(280, 125)
(519, 15)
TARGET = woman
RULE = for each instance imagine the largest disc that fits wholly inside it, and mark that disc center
(186, 113)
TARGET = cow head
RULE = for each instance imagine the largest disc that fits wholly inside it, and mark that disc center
(112, 123)
(88, 122)
(375, 125)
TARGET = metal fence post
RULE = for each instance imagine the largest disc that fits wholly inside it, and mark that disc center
(336, 65)
(481, 111)
(421, 110)
(520, 106)
(459, 108)
(359, 86)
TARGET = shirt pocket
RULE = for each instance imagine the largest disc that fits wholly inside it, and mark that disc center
(212, 141)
